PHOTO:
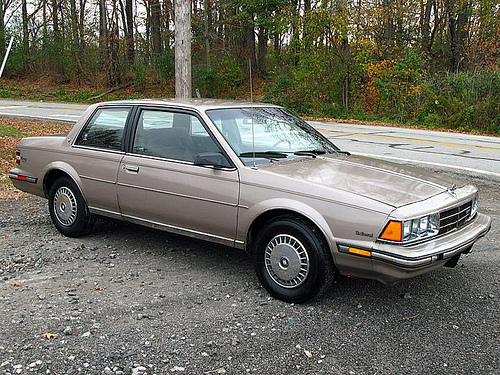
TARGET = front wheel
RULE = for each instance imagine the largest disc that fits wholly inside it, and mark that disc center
(68, 209)
(292, 260)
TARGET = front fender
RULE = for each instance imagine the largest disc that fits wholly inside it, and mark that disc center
(248, 215)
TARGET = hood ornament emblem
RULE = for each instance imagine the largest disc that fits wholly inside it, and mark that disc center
(451, 190)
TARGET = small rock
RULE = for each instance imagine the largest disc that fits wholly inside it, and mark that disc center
(86, 334)
(178, 368)
(455, 326)
(68, 331)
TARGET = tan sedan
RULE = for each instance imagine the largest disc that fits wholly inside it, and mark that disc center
(256, 177)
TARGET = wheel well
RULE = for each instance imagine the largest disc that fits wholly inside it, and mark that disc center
(261, 220)
(50, 178)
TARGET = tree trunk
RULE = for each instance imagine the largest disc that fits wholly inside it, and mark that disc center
(26, 45)
(103, 32)
(262, 51)
(457, 25)
(2, 27)
(182, 49)
(155, 26)
(44, 20)
(206, 35)
(425, 26)
(387, 27)
(75, 39)
(129, 36)
(167, 16)
(81, 25)
(250, 45)
(114, 47)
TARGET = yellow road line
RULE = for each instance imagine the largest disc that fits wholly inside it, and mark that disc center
(411, 139)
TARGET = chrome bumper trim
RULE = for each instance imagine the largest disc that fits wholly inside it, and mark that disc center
(20, 177)
(432, 257)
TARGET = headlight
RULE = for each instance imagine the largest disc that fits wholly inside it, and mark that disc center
(411, 230)
(473, 209)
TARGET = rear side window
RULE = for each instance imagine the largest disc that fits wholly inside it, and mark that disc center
(105, 129)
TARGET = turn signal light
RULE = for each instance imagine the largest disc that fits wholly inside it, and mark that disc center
(392, 232)
(354, 250)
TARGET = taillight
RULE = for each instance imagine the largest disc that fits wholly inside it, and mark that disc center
(18, 157)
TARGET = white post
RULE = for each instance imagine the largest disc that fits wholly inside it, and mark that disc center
(6, 55)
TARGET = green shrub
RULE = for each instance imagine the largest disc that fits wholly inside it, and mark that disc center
(165, 64)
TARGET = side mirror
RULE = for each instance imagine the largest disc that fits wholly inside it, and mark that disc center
(214, 159)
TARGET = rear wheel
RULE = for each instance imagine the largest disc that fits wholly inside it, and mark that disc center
(68, 209)
(292, 260)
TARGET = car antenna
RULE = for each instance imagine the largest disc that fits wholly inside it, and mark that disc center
(251, 100)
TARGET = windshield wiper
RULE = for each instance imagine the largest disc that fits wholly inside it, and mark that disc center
(343, 152)
(264, 154)
(312, 153)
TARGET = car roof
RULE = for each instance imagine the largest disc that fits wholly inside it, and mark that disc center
(200, 104)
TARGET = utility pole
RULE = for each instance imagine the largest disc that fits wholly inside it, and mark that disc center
(182, 48)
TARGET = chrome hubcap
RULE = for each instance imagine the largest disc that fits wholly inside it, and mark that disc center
(286, 261)
(65, 206)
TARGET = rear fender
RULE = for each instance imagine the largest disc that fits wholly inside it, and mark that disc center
(62, 167)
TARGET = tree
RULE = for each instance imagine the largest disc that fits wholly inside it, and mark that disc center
(182, 49)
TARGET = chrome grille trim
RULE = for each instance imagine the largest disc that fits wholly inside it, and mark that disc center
(455, 217)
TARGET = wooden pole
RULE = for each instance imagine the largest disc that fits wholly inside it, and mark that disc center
(182, 49)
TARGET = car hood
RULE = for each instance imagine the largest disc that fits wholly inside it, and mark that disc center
(385, 182)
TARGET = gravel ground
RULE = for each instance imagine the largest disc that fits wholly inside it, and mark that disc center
(130, 300)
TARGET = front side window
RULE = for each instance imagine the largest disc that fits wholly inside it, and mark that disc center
(171, 135)
(105, 129)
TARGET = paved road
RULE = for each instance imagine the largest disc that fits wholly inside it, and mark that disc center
(459, 152)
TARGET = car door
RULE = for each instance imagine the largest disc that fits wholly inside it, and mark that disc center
(96, 155)
(159, 185)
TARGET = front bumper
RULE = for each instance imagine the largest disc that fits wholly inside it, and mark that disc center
(390, 263)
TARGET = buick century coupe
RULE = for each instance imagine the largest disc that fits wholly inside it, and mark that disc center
(255, 177)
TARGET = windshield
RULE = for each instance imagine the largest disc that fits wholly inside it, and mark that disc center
(264, 134)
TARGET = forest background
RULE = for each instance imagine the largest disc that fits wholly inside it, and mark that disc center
(431, 63)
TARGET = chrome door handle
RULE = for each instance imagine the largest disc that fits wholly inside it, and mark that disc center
(131, 168)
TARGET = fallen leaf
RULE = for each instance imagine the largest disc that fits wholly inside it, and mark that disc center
(308, 353)
(100, 288)
(4, 237)
(49, 335)
(16, 283)
(217, 371)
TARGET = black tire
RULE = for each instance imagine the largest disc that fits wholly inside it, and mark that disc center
(68, 209)
(292, 260)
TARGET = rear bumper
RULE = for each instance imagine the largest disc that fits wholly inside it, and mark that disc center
(25, 182)
(390, 263)
(16, 175)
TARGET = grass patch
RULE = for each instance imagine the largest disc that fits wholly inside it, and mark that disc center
(8, 131)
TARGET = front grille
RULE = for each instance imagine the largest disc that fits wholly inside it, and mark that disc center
(454, 218)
